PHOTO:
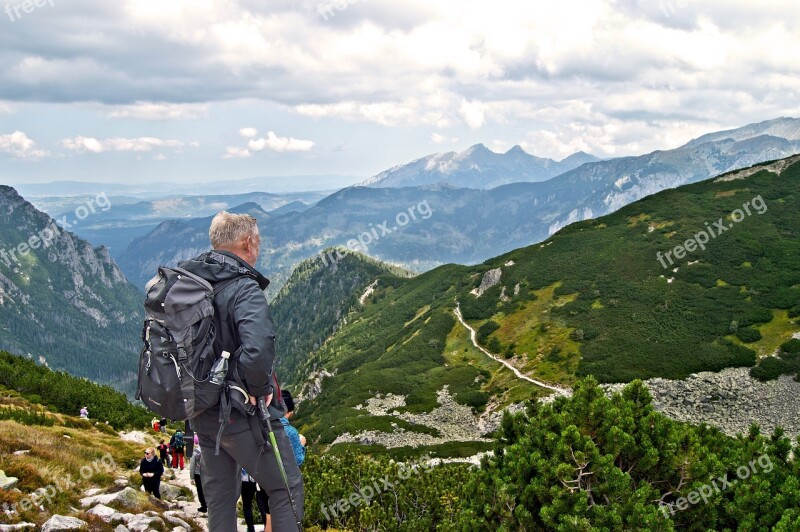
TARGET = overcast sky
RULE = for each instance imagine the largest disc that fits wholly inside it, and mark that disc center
(200, 90)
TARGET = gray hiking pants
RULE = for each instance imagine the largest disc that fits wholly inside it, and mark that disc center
(222, 480)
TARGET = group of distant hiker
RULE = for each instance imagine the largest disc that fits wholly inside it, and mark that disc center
(172, 454)
(151, 468)
(209, 358)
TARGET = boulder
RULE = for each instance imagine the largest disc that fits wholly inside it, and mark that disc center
(143, 523)
(121, 528)
(127, 498)
(62, 522)
(174, 519)
(490, 279)
(126, 517)
(18, 526)
(103, 512)
(7, 483)
(91, 492)
(169, 492)
(136, 436)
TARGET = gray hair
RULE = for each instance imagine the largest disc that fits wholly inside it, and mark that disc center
(228, 229)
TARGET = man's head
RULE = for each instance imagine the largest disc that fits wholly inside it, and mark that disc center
(237, 233)
(288, 400)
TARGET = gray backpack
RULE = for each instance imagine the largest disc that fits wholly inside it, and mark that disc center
(178, 349)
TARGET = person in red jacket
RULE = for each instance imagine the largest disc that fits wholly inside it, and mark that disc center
(163, 451)
(177, 444)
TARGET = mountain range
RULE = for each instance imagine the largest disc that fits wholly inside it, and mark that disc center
(156, 190)
(61, 295)
(468, 225)
(621, 297)
(64, 302)
(477, 167)
(128, 218)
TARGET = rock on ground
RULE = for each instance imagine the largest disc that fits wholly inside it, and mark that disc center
(128, 498)
(134, 436)
(730, 400)
(7, 483)
(61, 522)
(144, 523)
(103, 512)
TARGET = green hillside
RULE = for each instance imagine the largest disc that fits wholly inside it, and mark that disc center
(62, 301)
(588, 462)
(66, 394)
(594, 299)
(317, 298)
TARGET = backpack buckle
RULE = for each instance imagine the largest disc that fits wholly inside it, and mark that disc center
(241, 396)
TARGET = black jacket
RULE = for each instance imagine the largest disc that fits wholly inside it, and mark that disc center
(153, 466)
(243, 322)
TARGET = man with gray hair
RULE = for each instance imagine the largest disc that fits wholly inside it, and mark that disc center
(230, 434)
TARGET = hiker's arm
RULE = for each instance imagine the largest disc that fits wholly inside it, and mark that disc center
(253, 321)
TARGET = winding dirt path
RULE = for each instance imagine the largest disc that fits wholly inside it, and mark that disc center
(474, 337)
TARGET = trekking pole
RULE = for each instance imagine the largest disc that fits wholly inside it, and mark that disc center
(262, 407)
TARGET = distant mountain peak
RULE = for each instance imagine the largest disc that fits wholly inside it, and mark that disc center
(784, 127)
(476, 167)
(579, 158)
(475, 148)
(252, 208)
(517, 150)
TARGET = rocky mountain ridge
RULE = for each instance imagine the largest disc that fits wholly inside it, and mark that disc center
(63, 301)
(476, 167)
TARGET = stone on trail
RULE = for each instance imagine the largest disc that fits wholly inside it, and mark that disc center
(60, 522)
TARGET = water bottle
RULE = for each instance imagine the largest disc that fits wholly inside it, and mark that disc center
(220, 369)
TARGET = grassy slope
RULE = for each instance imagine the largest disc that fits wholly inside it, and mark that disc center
(58, 450)
(635, 322)
(592, 299)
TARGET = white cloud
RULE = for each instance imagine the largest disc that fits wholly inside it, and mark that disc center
(472, 113)
(408, 111)
(564, 71)
(236, 153)
(438, 138)
(17, 144)
(159, 111)
(273, 142)
(83, 144)
(248, 132)
(141, 144)
(613, 137)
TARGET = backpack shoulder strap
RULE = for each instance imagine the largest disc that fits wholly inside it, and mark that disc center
(222, 285)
